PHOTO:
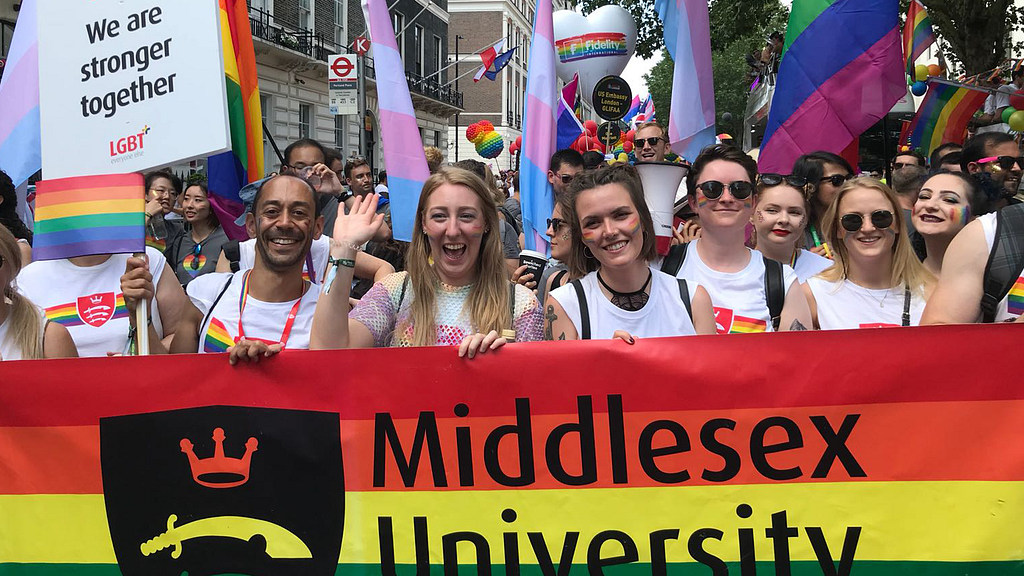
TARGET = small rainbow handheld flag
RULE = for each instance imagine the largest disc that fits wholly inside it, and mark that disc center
(89, 215)
(917, 34)
(944, 113)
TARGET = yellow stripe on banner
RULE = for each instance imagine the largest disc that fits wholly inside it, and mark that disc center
(228, 48)
(922, 521)
(90, 207)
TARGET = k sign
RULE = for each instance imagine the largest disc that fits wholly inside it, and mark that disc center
(128, 85)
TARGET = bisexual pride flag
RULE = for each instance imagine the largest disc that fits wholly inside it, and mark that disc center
(86, 215)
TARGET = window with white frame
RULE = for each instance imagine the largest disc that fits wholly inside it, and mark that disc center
(339, 23)
(437, 57)
(339, 132)
(306, 14)
(265, 108)
(305, 120)
(399, 20)
(418, 46)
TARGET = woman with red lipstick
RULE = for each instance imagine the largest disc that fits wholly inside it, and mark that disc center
(617, 293)
(780, 219)
(947, 202)
(877, 281)
(456, 290)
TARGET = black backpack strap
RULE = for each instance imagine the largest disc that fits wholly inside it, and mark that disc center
(233, 253)
(906, 305)
(401, 295)
(584, 311)
(774, 290)
(557, 280)
(1005, 261)
(674, 261)
(684, 294)
(214, 306)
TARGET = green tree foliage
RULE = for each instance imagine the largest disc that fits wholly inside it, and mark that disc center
(977, 31)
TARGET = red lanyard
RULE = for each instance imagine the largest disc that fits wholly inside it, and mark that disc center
(241, 306)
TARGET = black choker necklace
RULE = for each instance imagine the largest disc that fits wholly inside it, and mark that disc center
(629, 301)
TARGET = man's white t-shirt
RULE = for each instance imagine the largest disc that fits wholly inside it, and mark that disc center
(663, 315)
(995, 101)
(263, 321)
(87, 300)
(845, 305)
(1012, 305)
(738, 298)
(319, 251)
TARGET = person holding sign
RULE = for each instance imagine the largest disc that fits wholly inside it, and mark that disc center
(877, 280)
(456, 290)
(255, 313)
(617, 294)
(25, 331)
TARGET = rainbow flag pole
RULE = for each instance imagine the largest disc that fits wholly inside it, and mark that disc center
(944, 113)
(917, 34)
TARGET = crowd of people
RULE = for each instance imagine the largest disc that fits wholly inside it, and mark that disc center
(820, 248)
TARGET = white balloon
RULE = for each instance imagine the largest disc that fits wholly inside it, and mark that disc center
(595, 46)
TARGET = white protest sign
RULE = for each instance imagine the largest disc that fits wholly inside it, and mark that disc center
(128, 85)
(343, 84)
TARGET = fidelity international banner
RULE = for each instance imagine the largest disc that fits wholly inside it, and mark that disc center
(877, 452)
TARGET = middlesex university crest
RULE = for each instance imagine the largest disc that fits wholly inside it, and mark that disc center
(224, 490)
(95, 310)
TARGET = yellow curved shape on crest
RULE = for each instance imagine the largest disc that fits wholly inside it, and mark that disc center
(281, 543)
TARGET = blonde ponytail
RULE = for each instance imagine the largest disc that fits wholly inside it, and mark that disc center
(23, 317)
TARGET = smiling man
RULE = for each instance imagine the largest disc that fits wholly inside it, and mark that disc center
(650, 142)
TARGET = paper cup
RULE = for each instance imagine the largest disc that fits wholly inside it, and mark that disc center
(534, 262)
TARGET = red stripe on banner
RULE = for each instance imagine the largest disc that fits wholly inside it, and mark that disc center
(87, 182)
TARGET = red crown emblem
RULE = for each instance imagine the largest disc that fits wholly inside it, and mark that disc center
(219, 471)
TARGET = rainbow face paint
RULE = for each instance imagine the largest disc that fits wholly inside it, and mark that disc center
(961, 214)
(634, 224)
(702, 200)
(590, 236)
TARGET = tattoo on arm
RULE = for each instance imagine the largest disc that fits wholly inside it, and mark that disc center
(561, 336)
(796, 326)
(549, 321)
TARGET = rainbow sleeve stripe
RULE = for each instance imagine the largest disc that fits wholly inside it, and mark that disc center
(917, 34)
(89, 215)
(230, 171)
(744, 325)
(944, 114)
(217, 338)
(1015, 299)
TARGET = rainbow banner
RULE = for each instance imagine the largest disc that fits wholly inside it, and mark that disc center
(89, 215)
(917, 34)
(620, 462)
(230, 171)
(944, 114)
(592, 45)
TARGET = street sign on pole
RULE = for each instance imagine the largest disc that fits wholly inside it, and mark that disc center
(342, 83)
(361, 45)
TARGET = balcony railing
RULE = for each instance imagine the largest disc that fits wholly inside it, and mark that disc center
(513, 120)
(318, 48)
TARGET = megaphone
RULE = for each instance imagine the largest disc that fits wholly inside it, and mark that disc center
(660, 180)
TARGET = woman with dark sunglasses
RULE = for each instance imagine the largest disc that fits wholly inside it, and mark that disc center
(826, 172)
(877, 280)
(195, 250)
(780, 220)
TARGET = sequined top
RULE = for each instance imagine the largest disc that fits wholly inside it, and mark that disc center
(379, 311)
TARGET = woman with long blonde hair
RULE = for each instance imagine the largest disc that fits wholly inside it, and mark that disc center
(456, 290)
(877, 281)
(25, 333)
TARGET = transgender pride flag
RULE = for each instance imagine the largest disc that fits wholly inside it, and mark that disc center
(537, 196)
(691, 123)
(20, 144)
(399, 133)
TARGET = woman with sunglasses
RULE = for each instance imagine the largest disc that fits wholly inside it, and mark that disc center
(947, 202)
(780, 220)
(618, 294)
(826, 172)
(196, 249)
(559, 233)
(877, 281)
(747, 295)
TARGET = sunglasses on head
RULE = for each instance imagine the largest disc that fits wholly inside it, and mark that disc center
(713, 189)
(772, 179)
(836, 180)
(652, 141)
(305, 173)
(880, 219)
(1005, 162)
(556, 223)
(196, 251)
(566, 178)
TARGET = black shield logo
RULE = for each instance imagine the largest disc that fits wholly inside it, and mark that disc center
(224, 490)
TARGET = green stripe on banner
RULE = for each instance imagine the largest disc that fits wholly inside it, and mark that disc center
(89, 221)
(236, 119)
(803, 568)
(803, 13)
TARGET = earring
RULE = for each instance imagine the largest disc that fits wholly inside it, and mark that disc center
(588, 253)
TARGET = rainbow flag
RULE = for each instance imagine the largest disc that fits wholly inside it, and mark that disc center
(89, 215)
(944, 114)
(917, 34)
(1015, 299)
(744, 325)
(229, 171)
(833, 86)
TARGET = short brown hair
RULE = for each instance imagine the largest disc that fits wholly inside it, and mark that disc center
(354, 163)
(719, 152)
(580, 264)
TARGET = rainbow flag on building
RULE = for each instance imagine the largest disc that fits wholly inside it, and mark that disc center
(229, 171)
(842, 70)
(944, 114)
(89, 215)
(917, 34)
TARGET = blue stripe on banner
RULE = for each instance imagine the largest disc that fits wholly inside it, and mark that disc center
(21, 153)
(404, 195)
(838, 36)
(90, 235)
(537, 206)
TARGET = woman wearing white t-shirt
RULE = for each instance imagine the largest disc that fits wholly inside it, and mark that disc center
(780, 219)
(877, 280)
(618, 294)
(25, 332)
